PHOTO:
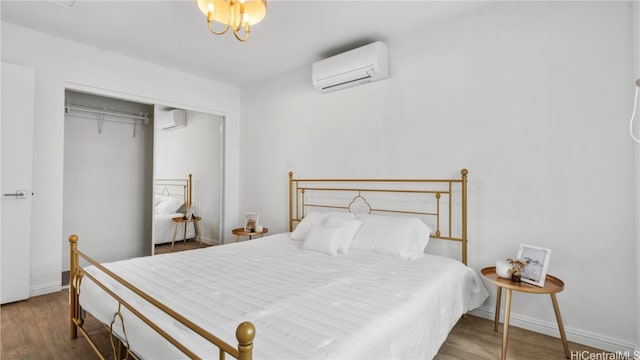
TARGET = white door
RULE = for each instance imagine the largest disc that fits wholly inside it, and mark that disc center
(16, 128)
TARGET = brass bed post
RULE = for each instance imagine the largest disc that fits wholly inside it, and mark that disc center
(464, 173)
(73, 294)
(245, 332)
(290, 201)
(190, 192)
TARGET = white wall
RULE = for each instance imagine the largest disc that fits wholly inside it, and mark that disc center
(195, 149)
(60, 63)
(533, 98)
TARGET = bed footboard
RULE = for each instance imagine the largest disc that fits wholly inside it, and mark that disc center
(245, 332)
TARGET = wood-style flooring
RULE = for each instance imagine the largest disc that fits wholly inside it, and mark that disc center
(179, 246)
(38, 328)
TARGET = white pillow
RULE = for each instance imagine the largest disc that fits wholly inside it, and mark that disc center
(363, 239)
(168, 205)
(348, 229)
(304, 227)
(323, 239)
(314, 218)
(156, 200)
(404, 237)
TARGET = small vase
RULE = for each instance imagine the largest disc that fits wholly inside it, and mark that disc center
(516, 278)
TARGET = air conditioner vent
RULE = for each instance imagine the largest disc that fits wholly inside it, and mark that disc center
(358, 66)
(171, 120)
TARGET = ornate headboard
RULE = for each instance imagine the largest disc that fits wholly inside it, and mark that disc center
(442, 203)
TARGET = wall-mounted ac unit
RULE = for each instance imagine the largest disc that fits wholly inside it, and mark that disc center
(171, 120)
(358, 66)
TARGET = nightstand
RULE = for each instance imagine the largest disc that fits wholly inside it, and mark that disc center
(552, 285)
(181, 220)
(241, 232)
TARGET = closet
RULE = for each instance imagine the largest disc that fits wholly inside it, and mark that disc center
(114, 150)
(108, 169)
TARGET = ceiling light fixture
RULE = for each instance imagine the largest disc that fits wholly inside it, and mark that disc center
(237, 15)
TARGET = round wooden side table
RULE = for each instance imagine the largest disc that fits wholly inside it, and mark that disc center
(552, 286)
(241, 232)
(181, 220)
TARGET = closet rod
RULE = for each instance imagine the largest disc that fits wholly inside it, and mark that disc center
(105, 111)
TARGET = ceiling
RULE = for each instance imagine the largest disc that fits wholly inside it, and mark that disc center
(175, 34)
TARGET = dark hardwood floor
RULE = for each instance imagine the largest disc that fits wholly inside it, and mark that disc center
(38, 328)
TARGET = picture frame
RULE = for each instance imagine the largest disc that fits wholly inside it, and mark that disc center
(537, 260)
(251, 221)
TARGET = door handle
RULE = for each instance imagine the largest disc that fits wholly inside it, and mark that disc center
(19, 194)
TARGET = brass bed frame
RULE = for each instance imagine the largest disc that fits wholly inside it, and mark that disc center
(175, 188)
(439, 193)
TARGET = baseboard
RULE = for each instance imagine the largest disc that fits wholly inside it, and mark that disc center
(44, 289)
(588, 338)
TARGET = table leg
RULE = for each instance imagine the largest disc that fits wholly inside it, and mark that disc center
(175, 231)
(505, 330)
(499, 297)
(184, 239)
(563, 336)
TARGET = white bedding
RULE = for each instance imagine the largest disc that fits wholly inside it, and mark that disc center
(304, 304)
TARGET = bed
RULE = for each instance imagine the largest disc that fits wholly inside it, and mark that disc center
(170, 199)
(299, 294)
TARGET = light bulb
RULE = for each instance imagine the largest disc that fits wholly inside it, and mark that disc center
(210, 7)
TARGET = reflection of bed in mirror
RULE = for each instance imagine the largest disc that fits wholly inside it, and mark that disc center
(171, 197)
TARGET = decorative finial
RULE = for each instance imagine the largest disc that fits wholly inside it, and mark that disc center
(245, 333)
(73, 239)
(464, 172)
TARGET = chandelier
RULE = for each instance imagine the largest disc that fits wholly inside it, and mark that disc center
(237, 15)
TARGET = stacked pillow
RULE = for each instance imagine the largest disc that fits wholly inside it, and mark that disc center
(167, 204)
(333, 233)
(329, 233)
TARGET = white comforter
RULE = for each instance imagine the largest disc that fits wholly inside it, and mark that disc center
(304, 304)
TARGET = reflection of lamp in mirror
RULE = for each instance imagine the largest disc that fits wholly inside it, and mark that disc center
(190, 212)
